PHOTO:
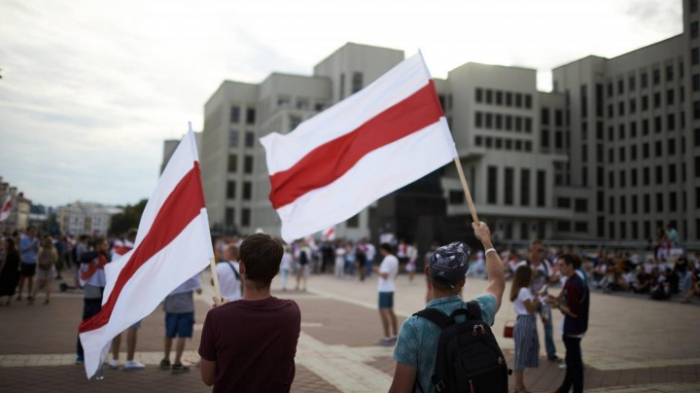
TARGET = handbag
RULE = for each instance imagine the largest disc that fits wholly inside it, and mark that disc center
(508, 329)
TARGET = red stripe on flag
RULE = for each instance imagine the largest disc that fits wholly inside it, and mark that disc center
(328, 162)
(182, 206)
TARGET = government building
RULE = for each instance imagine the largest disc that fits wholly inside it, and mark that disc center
(608, 156)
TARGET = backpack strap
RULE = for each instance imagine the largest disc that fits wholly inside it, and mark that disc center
(238, 276)
(435, 317)
(474, 310)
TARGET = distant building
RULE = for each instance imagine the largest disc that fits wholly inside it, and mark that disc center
(85, 218)
(19, 212)
(169, 146)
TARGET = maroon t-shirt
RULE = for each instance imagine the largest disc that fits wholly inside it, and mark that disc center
(253, 344)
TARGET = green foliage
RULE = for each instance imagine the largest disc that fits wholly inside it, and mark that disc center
(130, 218)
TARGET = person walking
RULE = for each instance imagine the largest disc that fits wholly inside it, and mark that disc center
(28, 248)
(179, 323)
(93, 280)
(9, 271)
(387, 271)
(47, 257)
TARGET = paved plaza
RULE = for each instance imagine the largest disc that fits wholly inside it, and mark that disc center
(633, 344)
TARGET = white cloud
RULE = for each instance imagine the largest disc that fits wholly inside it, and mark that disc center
(91, 89)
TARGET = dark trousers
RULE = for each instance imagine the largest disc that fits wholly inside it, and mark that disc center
(90, 307)
(574, 366)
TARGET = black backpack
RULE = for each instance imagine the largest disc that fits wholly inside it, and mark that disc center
(303, 258)
(468, 356)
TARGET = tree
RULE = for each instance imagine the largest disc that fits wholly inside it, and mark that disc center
(130, 218)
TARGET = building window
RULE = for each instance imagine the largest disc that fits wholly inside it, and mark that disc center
(544, 139)
(247, 190)
(541, 189)
(563, 226)
(232, 163)
(478, 119)
(633, 177)
(492, 190)
(250, 116)
(508, 186)
(544, 116)
(509, 99)
(518, 100)
(672, 202)
(646, 176)
(584, 101)
(669, 73)
(563, 203)
(230, 216)
(353, 222)
(245, 217)
(656, 76)
(230, 189)
(525, 187)
(456, 197)
(695, 56)
(611, 205)
(635, 206)
(248, 164)
(645, 103)
(528, 101)
(233, 137)
(670, 122)
(235, 114)
(249, 139)
(499, 98)
(581, 205)
(647, 203)
(671, 147)
(659, 148)
(294, 122)
(659, 203)
(479, 95)
(645, 150)
(633, 152)
(489, 96)
(357, 82)
(645, 80)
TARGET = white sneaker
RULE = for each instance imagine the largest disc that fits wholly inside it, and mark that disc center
(113, 364)
(131, 365)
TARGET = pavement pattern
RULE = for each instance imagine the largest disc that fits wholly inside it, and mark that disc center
(633, 344)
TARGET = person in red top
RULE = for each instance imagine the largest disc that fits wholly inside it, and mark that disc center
(249, 345)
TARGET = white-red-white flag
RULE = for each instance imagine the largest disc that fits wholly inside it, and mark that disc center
(172, 245)
(376, 141)
(6, 208)
(329, 233)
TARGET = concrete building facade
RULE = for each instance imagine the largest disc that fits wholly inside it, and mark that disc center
(85, 218)
(612, 153)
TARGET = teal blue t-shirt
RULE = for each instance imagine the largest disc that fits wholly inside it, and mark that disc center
(418, 341)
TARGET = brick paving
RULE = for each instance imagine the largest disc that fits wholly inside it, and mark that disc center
(656, 352)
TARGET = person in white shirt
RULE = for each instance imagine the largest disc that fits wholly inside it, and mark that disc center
(229, 274)
(525, 337)
(387, 271)
(286, 266)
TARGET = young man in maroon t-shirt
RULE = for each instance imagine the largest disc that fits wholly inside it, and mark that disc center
(249, 345)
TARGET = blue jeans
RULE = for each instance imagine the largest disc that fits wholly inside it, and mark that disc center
(548, 337)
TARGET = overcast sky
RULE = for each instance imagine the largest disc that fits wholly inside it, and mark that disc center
(90, 89)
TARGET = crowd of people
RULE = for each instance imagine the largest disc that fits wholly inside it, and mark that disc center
(246, 267)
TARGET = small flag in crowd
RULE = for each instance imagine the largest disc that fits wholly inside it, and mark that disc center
(329, 234)
(376, 141)
(172, 245)
(6, 207)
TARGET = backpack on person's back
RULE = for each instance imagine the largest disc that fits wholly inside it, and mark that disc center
(303, 258)
(468, 357)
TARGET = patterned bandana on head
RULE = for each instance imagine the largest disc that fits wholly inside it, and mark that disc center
(449, 263)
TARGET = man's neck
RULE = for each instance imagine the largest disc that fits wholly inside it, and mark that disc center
(252, 293)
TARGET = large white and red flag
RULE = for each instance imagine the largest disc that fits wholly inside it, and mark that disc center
(172, 245)
(376, 141)
(6, 208)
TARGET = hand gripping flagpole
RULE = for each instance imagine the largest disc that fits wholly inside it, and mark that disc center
(466, 190)
(212, 259)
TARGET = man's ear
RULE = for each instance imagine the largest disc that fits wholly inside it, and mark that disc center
(461, 282)
(241, 267)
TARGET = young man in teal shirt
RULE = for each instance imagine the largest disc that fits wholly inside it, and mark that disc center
(417, 343)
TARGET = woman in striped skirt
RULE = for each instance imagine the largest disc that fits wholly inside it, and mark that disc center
(527, 345)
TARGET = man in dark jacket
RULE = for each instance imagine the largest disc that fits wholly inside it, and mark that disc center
(575, 309)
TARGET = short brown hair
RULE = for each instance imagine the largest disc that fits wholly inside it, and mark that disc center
(261, 255)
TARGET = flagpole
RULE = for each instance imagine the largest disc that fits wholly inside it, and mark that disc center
(466, 190)
(215, 277)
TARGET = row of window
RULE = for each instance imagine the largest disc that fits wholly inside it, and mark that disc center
(632, 148)
(509, 186)
(234, 138)
(545, 117)
(301, 103)
(503, 143)
(644, 102)
(231, 190)
(505, 98)
(644, 79)
(497, 121)
(621, 206)
(233, 164)
(236, 115)
(230, 217)
(565, 226)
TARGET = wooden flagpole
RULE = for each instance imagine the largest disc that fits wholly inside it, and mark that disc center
(466, 190)
(215, 277)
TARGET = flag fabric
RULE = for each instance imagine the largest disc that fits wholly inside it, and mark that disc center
(329, 234)
(173, 244)
(388, 135)
(6, 207)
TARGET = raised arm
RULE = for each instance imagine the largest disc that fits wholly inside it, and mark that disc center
(494, 265)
